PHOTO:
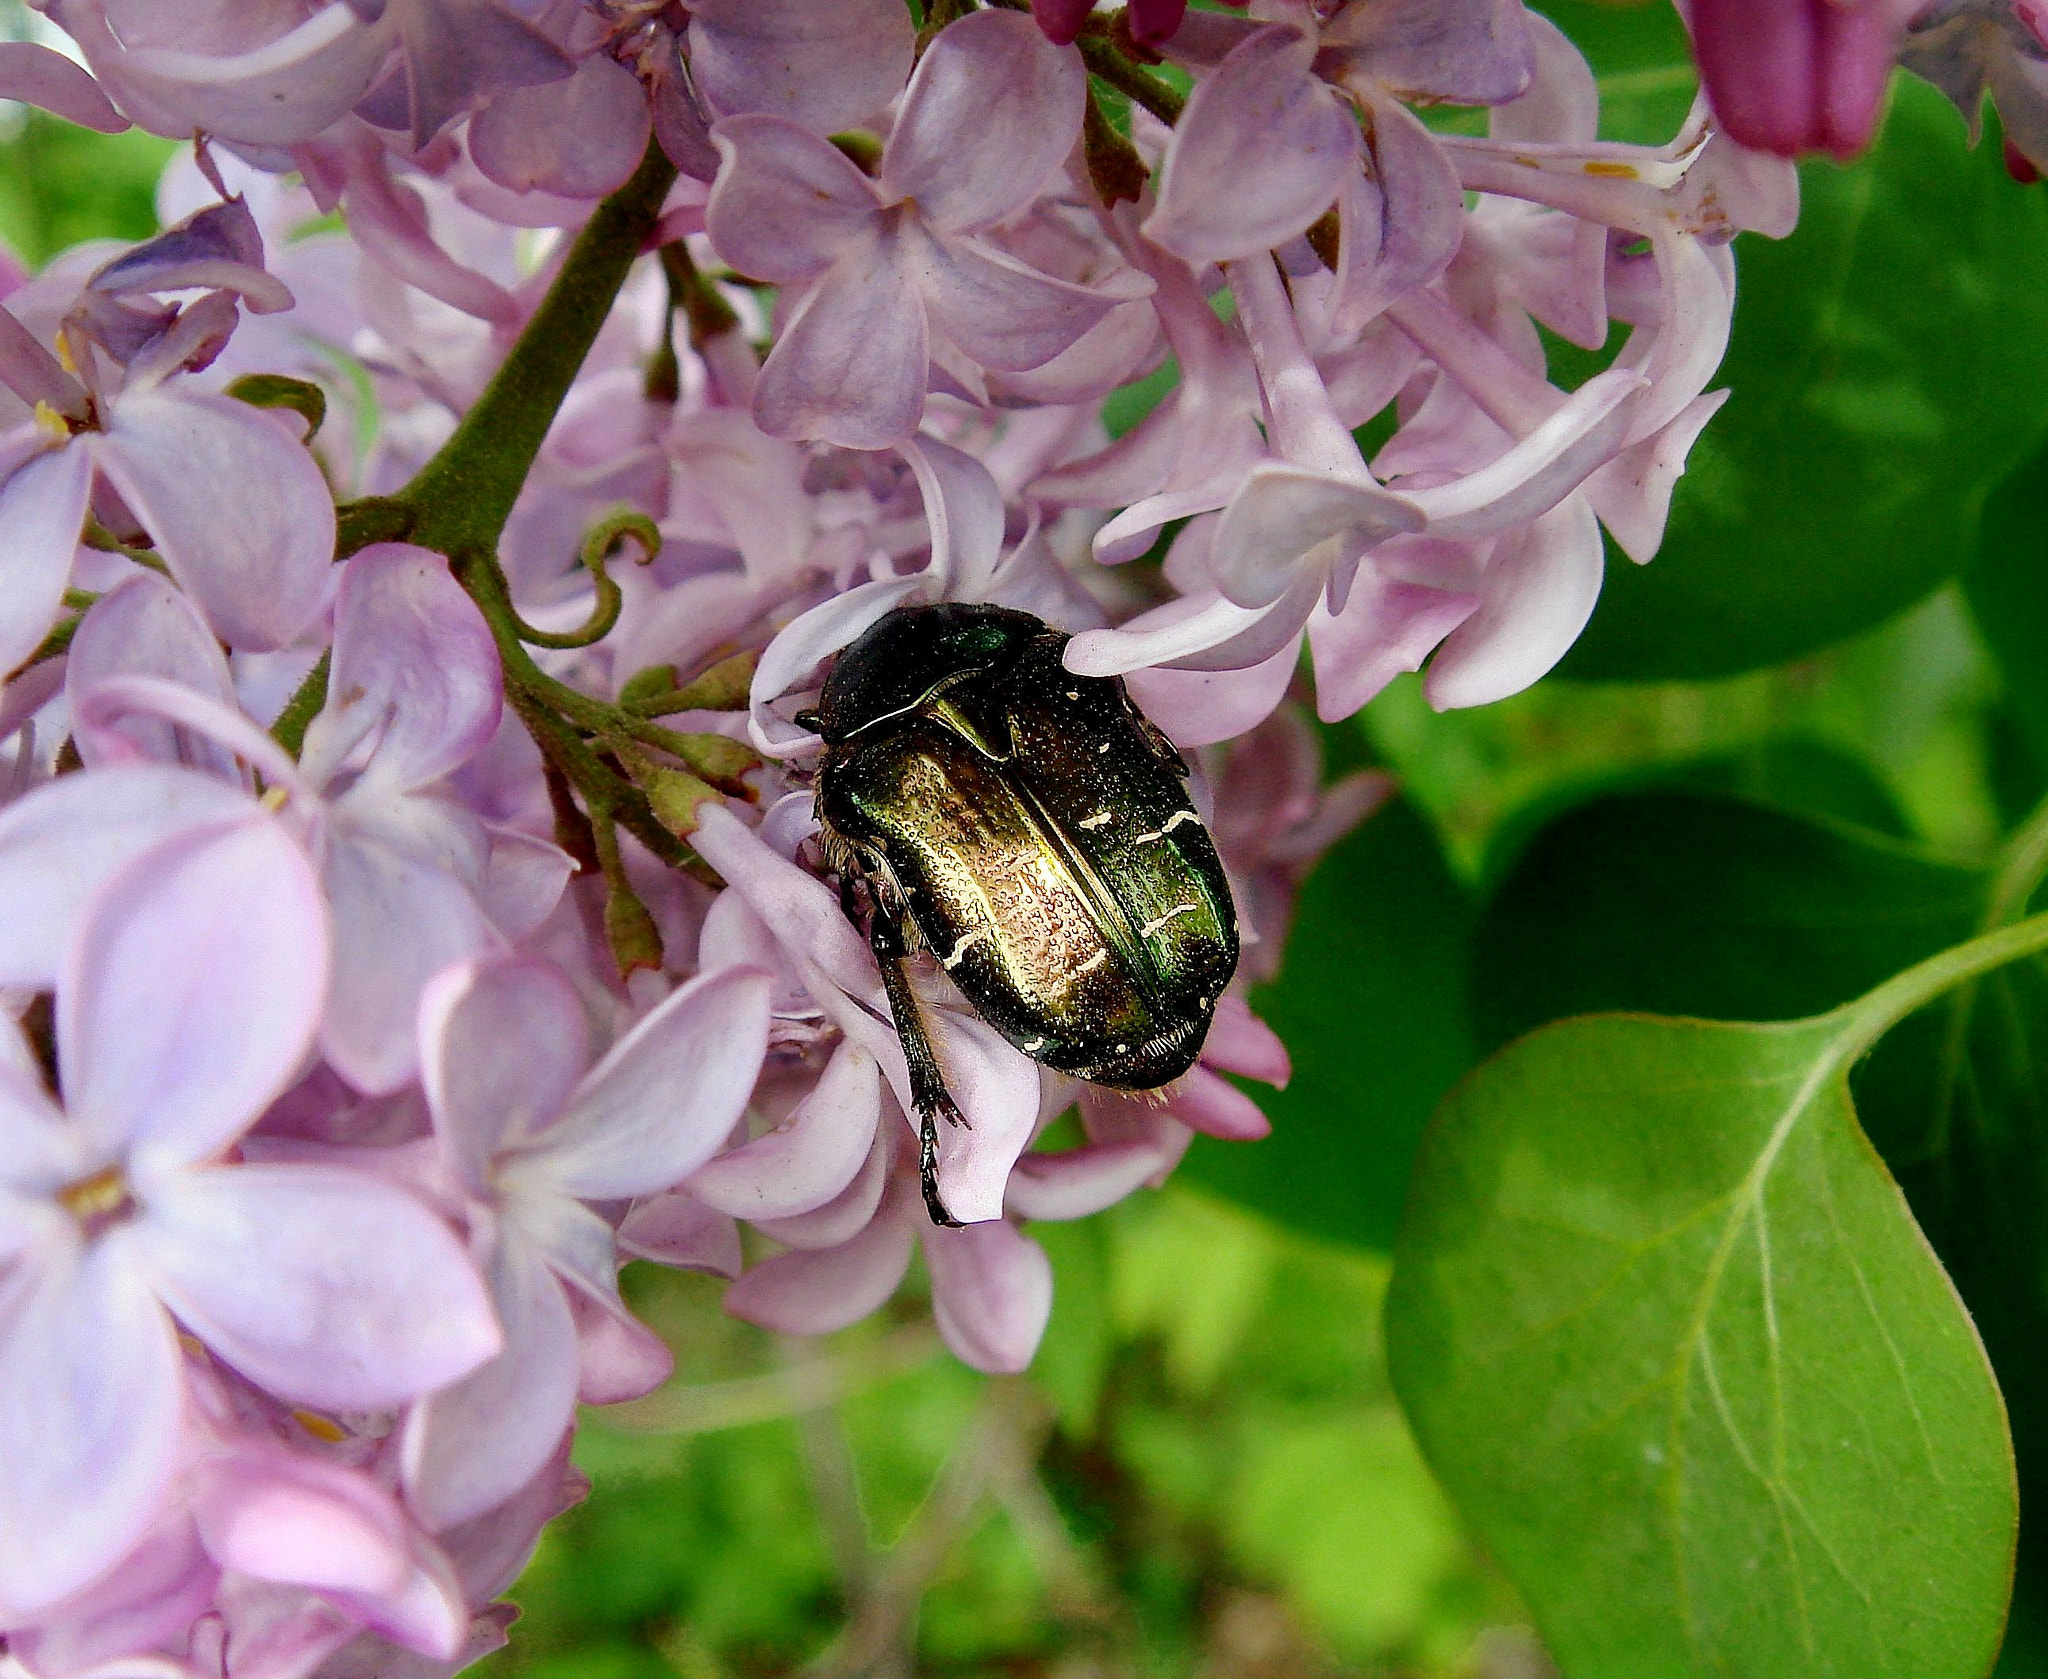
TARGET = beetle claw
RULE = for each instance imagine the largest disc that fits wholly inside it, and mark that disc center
(928, 1172)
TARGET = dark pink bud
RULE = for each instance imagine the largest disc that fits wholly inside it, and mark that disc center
(1793, 76)
(1062, 19)
(1153, 22)
(2019, 166)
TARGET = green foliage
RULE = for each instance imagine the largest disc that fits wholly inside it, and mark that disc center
(1672, 1338)
(1371, 1004)
(61, 185)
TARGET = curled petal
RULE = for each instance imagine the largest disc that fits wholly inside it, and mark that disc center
(473, 1445)
(1540, 470)
(1284, 513)
(815, 1291)
(90, 1408)
(997, 1088)
(275, 95)
(806, 1161)
(192, 990)
(218, 247)
(580, 136)
(991, 1293)
(1537, 595)
(42, 512)
(1632, 492)
(1562, 102)
(457, 50)
(389, 222)
(237, 508)
(326, 1286)
(415, 670)
(38, 76)
(1402, 225)
(669, 1092)
(803, 644)
(850, 368)
(988, 119)
(59, 845)
(965, 511)
(1204, 631)
(786, 205)
(826, 67)
(1261, 151)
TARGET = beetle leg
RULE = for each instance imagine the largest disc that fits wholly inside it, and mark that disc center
(928, 1091)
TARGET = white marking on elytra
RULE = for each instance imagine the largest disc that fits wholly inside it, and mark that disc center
(949, 963)
(1167, 827)
(1034, 1046)
(1097, 820)
(1123, 1049)
(1151, 927)
(1093, 962)
(1104, 747)
(1073, 693)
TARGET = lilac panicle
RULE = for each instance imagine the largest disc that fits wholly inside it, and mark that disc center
(434, 916)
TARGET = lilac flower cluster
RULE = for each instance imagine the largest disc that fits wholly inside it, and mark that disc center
(404, 920)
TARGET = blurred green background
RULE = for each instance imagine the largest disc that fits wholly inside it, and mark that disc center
(1205, 1473)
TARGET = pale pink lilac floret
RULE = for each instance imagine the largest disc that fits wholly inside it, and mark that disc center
(327, 1116)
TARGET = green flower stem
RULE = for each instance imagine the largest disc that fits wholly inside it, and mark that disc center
(289, 731)
(464, 495)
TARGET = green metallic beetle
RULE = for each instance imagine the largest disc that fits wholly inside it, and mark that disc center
(1032, 830)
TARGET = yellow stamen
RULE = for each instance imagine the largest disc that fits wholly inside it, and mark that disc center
(1615, 171)
(65, 358)
(52, 424)
(321, 1428)
(99, 1196)
(273, 798)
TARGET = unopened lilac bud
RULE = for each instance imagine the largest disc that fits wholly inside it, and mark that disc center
(1793, 76)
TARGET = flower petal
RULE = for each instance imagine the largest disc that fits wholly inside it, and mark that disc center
(190, 995)
(1081, 1182)
(987, 121)
(1201, 707)
(91, 1398)
(1000, 312)
(1388, 626)
(1262, 149)
(238, 509)
(483, 1100)
(803, 644)
(58, 845)
(472, 1446)
(42, 512)
(991, 1293)
(827, 67)
(580, 136)
(1632, 492)
(847, 1212)
(675, 1228)
(1538, 593)
(815, 1291)
(997, 1089)
(669, 1093)
(806, 1161)
(964, 509)
(145, 627)
(286, 1516)
(1284, 513)
(326, 1286)
(38, 76)
(399, 919)
(786, 205)
(851, 365)
(415, 670)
